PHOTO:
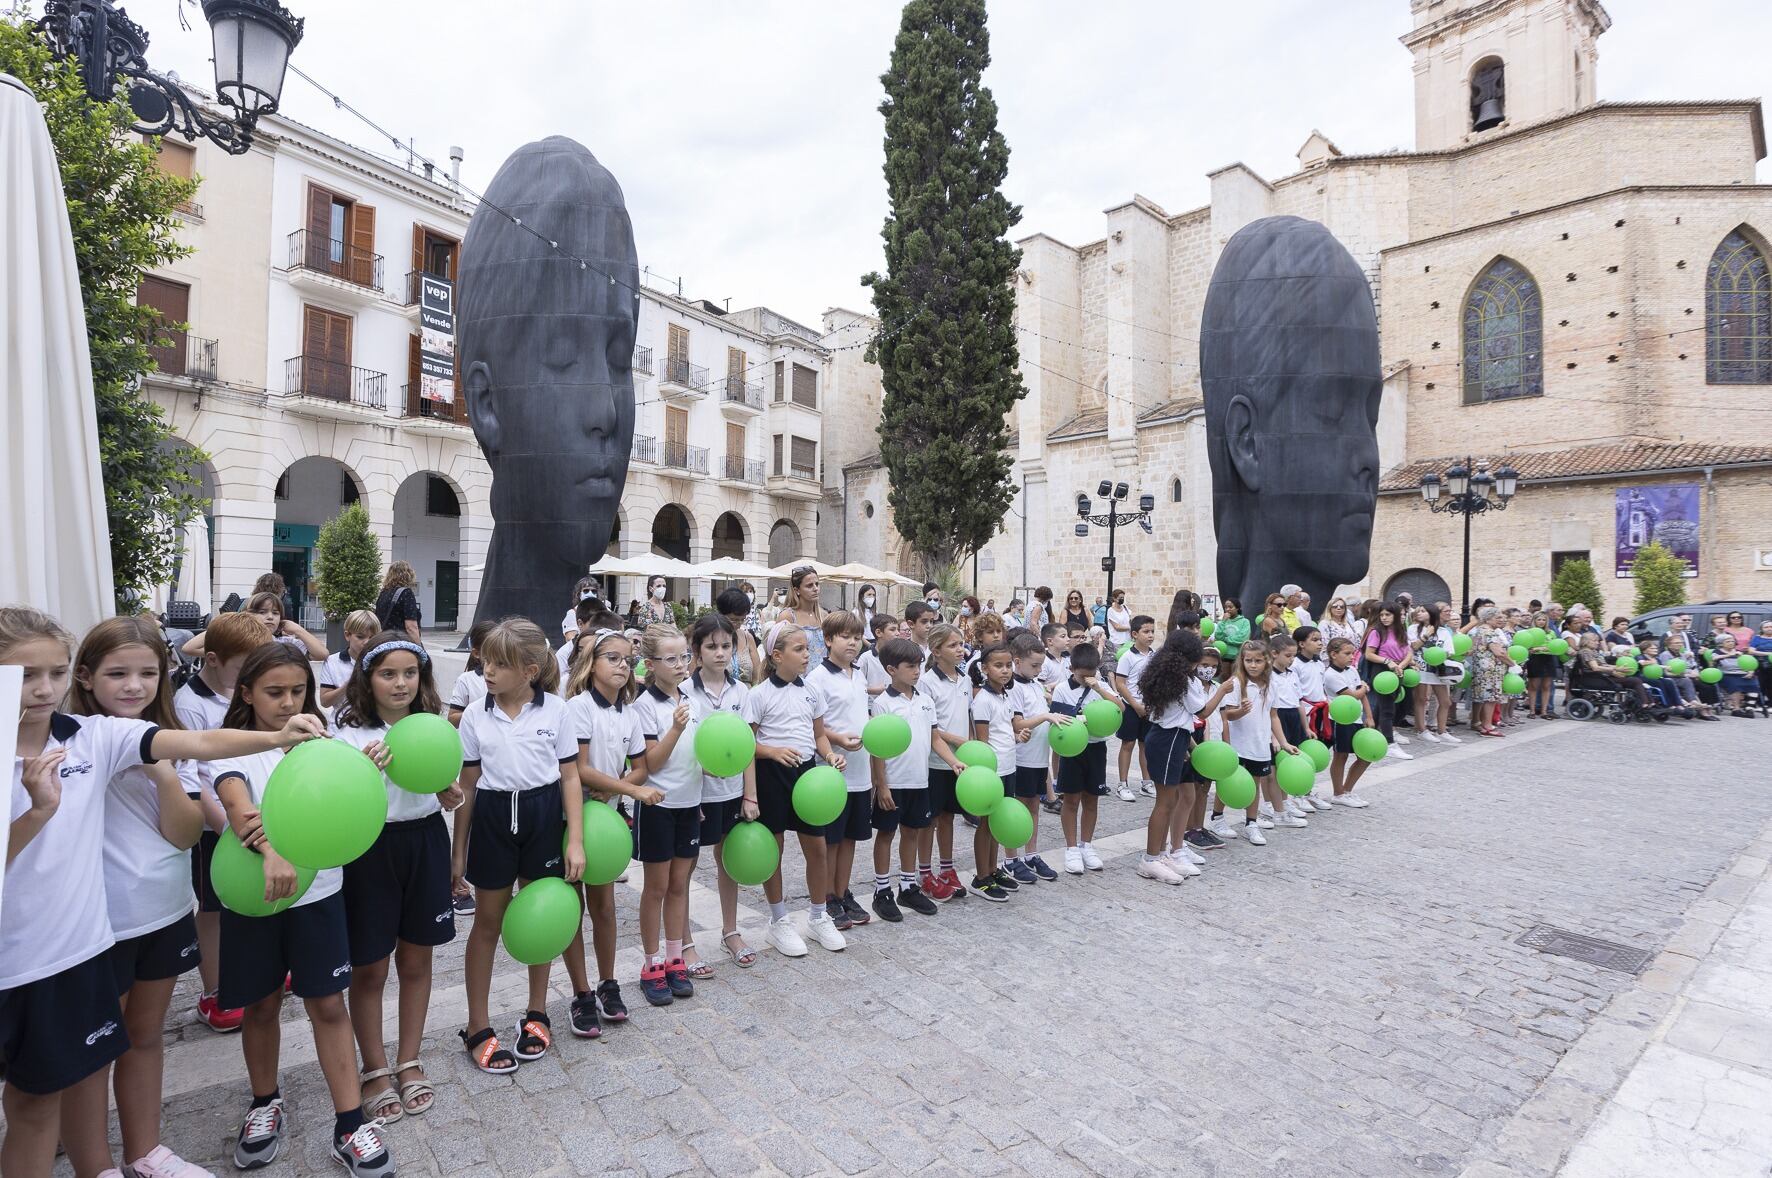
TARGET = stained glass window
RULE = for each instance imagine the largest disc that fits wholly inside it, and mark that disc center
(1738, 314)
(1503, 335)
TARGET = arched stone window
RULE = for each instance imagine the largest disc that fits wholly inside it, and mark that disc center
(1738, 314)
(1175, 491)
(1488, 94)
(1503, 335)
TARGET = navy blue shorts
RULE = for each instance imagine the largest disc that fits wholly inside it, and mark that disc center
(856, 822)
(663, 833)
(718, 819)
(1085, 773)
(398, 890)
(1030, 781)
(1132, 725)
(912, 811)
(1166, 752)
(58, 1030)
(310, 944)
(201, 855)
(775, 797)
(1258, 769)
(1292, 724)
(941, 791)
(499, 856)
(161, 953)
(1344, 737)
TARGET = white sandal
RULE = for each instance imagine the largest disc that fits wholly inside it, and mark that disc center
(412, 1091)
(385, 1106)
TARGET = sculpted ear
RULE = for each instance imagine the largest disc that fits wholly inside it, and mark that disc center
(1239, 441)
(482, 414)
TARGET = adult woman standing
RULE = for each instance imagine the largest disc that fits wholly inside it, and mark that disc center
(1233, 631)
(1489, 660)
(586, 587)
(1273, 618)
(397, 605)
(1076, 618)
(1119, 621)
(656, 608)
(868, 598)
(1427, 632)
(804, 611)
(1337, 624)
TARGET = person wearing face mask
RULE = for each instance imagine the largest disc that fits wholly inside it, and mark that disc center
(969, 607)
(656, 608)
(868, 598)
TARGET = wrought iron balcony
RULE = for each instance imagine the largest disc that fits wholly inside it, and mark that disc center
(414, 405)
(415, 284)
(678, 456)
(332, 380)
(739, 469)
(339, 259)
(643, 361)
(681, 380)
(189, 356)
(737, 392)
(645, 449)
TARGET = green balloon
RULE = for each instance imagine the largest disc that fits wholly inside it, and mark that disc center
(1676, 666)
(426, 753)
(608, 843)
(1370, 745)
(1558, 647)
(1747, 664)
(1317, 751)
(886, 736)
(1650, 670)
(977, 752)
(1512, 684)
(1385, 683)
(1206, 627)
(1636, 652)
(977, 789)
(1296, 775)
(820, 795)
(724, 744)
(1011, 824)
(1224, 649)
(1067, 740)
(1461, 645)
(541, 921)
(749, 854)
(1214, 760)
(324, 804)
(1710, 675)
(238, 876)
(1465, 682)
(1411, 677)
(1121, 653)
(1345, 709)
(1626, 664)
(1518, 653)
(1101, 717)
(1436, 655)
(1237, 790)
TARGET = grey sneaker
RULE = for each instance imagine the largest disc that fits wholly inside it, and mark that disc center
(261, 1136)
(364, 1153)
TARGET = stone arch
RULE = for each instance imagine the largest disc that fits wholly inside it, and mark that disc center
(1423, 586)
(430, 513)
(1488, 85)
(784, 542)
(1738, 310)
(729, 536)
(673, 534)
(310, 492)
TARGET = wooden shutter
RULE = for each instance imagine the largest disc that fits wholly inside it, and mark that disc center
(678, 343)
(361, 259)
(173, 302)
(326, 354)
(805, 457)
(780, 384)
(418, 263)
(776, 468)
(676, 436)
(414, 403)
(176, 159)
(735, 372)
(805, 386)
(735, 439)
(319, 244)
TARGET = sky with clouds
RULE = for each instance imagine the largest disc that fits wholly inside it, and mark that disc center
(748, 140)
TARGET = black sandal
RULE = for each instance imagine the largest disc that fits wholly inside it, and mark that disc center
(534, 1035)
(483, 1048)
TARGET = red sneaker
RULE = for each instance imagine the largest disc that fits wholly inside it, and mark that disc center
(950, 880)
(932, 887)
(215, 1018)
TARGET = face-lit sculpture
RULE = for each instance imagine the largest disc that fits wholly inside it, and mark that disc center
(1290, 371)
(545, 349)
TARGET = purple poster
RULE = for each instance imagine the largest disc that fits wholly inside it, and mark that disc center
(1664, 514)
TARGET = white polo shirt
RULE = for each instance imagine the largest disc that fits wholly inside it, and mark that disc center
(200, 710)
(255, 771)
(680, 775)
(1030, 700)
(1285, 688)
(782, 713)
(403, 804)
(609, 733)
(704, 703)
(868, 664)
(56, 913)
(1182, 713)
(147, 879)
(953, 705)
(1251, 735)
(520, 752)
(997, 713)
(1131, 666)
(845, 699)
(910, 769)
(470, 686)
(1071, 697)
(1310, 678)
(1053, 672)
(1335, 682)
(336, 670)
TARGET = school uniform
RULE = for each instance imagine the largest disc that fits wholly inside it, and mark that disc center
(336, 670)
(997, 712)
(1033, 757)
(1085, 773)
(782, 713)
(470, 688)
(1171, 734)
(907, 775)
(1334, 683)
(399, 889)
(722, 798)
(872, 672)
(1310, 691)
(308, 942)
(200, 709)
(1287, 694)
(1130, 667)
(607, 732)
(1054, 671)
(672, 828)
(59, 1017)
(952, 700)
(563, 660)
(147, 882)
(845, 699)
(1252, 735)
(518, 828)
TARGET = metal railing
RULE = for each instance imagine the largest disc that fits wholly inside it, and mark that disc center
(332, 380)
(415, 284)
(693, 459)
(678, 371)
(340, 259)
(190, 209)
(740, 469)
(413, 405)
(189, 356)
(645, 449)
(739, 391)
(643, 361)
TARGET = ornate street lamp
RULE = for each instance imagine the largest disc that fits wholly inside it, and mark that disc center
(1113, 494)
(252, 38)
(1468, 495)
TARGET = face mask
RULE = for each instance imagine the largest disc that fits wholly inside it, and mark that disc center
(1206, 674)
(932, 602)
(658, 592)
(965, 611)
(868, 600)
(587, 595)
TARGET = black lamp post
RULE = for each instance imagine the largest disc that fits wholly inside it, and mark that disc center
(1469, 494)
(1113, 494)
(252, 38)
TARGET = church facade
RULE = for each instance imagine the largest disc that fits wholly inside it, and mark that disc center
(1573, 287)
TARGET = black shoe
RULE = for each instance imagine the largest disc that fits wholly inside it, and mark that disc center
(839, 915)
(654, 986)
(1039, 867)
(857, 914)
(1052, 806)
(609, 1003)
(971, 820)
(1005, 881)
(912, 897)
(584, 1016)
(463, 904)
(677, 978)
(987, 886)
(886, 907)
(1202, 840)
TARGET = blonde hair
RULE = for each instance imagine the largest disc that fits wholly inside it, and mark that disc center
(652, 638)
(400, 575)
(584, 662)
(517, 643)
(775, 638)
(20, 624)
(940, 634)
(362, 621)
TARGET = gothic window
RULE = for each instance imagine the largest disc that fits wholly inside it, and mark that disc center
(1738, 314)
(1503, 335)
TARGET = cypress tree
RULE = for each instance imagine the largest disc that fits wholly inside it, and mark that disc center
(946, 344)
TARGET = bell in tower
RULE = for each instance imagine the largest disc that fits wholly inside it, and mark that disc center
(1488, 96)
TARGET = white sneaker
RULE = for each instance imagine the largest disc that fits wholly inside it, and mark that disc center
(1148, 789)
(1263, 821)
(1400, 738)
(1090, 859)
(1448, 738)
(1179, 865)
(1073, 860)
(1291, 820)
(1126, 794)
(1431, 736)
(161, 1162)
(1225, 829)
(786, 938)
(824, 930)
(1296, 806)
(1158, 870)
(1252, 832)
(1193, 856)
(1399, 754)
(1316, 804)
(1351, 801)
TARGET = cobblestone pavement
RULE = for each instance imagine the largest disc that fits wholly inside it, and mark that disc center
(1348, 1000)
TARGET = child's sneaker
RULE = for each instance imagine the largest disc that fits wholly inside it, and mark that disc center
(584, 1016)
(987, 886)
(1263, 821)
(1179, 864)
(1224, 829)
(463, 904)
(1290, 819)
(786, 938)
(1188, 853)
(1073, 860)
(1158, 870)
(912, 897)
(885, 907)
(956, 886)
(1039, 868)
(653, 986)
(161, 1162)
(935, 887)
(838, 914)
(216, 1017)
(1091, 860)
(261, 1136)
(1006, 881)
(677, 978)
(853, 909)
(1023, 873)
(1148, 789)
(364, 1153)
(1396, 752)
(1125, 792)
(1252, 832)
(609, 1003)
(824, 931)
(1203, 840)
(1351, 801)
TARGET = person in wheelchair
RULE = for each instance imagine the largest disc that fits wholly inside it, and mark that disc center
(1683, 687)
(1664, 690)
(1592, 674)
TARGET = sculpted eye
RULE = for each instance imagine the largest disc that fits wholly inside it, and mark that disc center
(560, 351)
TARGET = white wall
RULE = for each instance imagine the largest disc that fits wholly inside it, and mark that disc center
(422, 540)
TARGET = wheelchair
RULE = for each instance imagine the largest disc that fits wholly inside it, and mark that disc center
(1616, 704)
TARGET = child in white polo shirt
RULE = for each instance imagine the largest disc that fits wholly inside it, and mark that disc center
(901, 784)
(843, 692)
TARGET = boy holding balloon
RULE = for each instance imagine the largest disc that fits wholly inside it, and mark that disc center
(842, 691)
(901, 782)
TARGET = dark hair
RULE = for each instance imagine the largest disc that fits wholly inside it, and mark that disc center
(258, 600)
(586, 609)
(733, 602)
(1085, 658)
(269, 583)
(710, 624)
(1050, 631)
(269, 657)
(1303, 633)
(927, 586)
(1186, 619)
(1025, 643)
(1399, 629)
(1235, 603)
(476, 635)
(1140, 621)
(1186, 601)
(985, 656)
(1164, 679)
(359, 710)
(917, 609)
(896, 652)
(1281, 642)
(1043, 595)
(880, 623)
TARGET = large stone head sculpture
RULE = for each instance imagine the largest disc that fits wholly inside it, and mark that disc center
(545, 346)
(1290, 371)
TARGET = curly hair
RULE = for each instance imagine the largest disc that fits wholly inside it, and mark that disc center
(1166, 676)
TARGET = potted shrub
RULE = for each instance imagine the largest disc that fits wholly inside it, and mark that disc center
(347, 570)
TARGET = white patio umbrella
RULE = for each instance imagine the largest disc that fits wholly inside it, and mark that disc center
(55, 544)
(783, 571)
(193, 581)
(730, 568)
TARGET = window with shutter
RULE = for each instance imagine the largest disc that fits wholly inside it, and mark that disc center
(775, 468)
(805, 458)
(805, 386)
(362, 268)
(780, 383)
(317, 254)
(173, 302)
(326, 354)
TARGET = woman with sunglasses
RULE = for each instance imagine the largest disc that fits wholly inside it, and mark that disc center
(1076, 617)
